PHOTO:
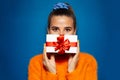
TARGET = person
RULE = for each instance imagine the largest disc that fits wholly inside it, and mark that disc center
(79, 66)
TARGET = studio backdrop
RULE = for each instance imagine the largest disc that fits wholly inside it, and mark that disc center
(23, 28)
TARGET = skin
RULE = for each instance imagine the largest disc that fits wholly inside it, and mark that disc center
(61, 25)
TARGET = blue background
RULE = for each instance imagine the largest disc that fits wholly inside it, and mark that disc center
(23, 29)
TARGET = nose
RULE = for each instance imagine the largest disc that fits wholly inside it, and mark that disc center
(61, 33)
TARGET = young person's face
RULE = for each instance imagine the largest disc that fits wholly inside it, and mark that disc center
(61, 25)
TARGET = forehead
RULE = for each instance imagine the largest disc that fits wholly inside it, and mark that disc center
(61, 20)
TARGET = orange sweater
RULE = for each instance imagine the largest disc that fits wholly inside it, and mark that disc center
(86, 69)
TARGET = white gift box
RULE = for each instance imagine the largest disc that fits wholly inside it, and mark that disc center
(59, 43)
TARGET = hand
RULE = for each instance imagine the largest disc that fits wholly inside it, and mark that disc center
(49, 63)
(73, 60)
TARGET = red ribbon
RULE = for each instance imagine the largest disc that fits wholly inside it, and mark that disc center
(61, 45)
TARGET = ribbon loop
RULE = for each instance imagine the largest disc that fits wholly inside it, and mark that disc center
(62, 45)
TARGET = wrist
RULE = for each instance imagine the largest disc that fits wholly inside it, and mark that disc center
(70, 70)
(53, 72)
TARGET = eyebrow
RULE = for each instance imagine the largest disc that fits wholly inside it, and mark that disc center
(58, 27)
(68, 27)
(54, 27)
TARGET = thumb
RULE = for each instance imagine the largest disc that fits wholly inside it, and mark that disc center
(70, 59)
(52, 57)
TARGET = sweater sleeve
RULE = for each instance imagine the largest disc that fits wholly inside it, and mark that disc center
(90, 71)
(36, 72)
(51, 76)
(73, 75)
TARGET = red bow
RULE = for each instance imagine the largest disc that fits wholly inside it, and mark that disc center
(62, 45)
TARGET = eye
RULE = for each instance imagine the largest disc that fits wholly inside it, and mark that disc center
(55, 29)
(68, 29)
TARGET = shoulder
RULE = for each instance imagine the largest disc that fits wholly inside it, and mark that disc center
(88, 58)
(37, 59)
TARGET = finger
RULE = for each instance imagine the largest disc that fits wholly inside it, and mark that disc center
(52, 60)
(44, 53)
(52, 57)
(76, 57)
(70, 59)
(44, 50)
(78, 49)
(44, 63)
